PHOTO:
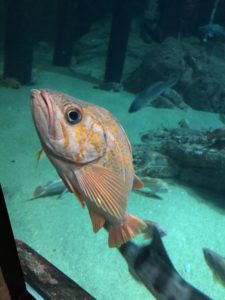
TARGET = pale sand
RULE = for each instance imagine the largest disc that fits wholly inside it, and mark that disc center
(61, 230)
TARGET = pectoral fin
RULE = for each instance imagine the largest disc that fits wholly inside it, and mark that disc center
(71, 187)
(103, 188)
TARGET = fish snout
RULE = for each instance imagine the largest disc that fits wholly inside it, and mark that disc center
(42, 99)
(207, 253)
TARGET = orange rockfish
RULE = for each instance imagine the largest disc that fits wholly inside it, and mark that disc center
(92, 155)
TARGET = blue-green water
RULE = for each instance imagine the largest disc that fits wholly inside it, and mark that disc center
(61, 230)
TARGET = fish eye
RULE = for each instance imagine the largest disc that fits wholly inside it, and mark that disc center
(73, 116)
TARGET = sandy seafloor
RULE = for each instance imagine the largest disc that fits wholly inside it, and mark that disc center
(60, 229)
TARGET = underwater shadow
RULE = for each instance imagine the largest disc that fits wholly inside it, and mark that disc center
(214, 199)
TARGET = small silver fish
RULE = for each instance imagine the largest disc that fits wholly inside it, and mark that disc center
(152, 266)
(148, 95)
(216, 263)
(156, 185)
(57, 187)
(51, 188)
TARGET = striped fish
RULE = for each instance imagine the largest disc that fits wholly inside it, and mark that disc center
(152, 266)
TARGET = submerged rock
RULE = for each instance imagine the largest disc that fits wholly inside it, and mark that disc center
(153, 164)
(202, 68)
(183, 153)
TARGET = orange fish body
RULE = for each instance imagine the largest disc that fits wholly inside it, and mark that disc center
(92, 155)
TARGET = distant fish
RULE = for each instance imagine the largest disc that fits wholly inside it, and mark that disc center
(216, 134)
(148, 194)
(212, 31)
(51, 188)
(148, 95)
(184, 123)
(57, 187)
(216, 263)
(156, 185)
(152, 266)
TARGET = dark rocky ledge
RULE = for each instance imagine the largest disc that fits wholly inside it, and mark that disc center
(193, 156)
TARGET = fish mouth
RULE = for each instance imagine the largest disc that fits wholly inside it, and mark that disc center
(42, 100)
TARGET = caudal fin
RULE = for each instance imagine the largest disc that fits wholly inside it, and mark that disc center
(119, 235)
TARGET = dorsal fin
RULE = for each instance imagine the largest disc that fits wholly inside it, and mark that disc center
(157, 246)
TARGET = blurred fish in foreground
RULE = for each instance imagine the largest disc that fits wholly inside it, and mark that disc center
(92, 155)
(146, 97)
(151, 227)
(152, 266)
(216, 263)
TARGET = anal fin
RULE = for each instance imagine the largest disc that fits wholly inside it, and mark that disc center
(97, 220)
(121, 234)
